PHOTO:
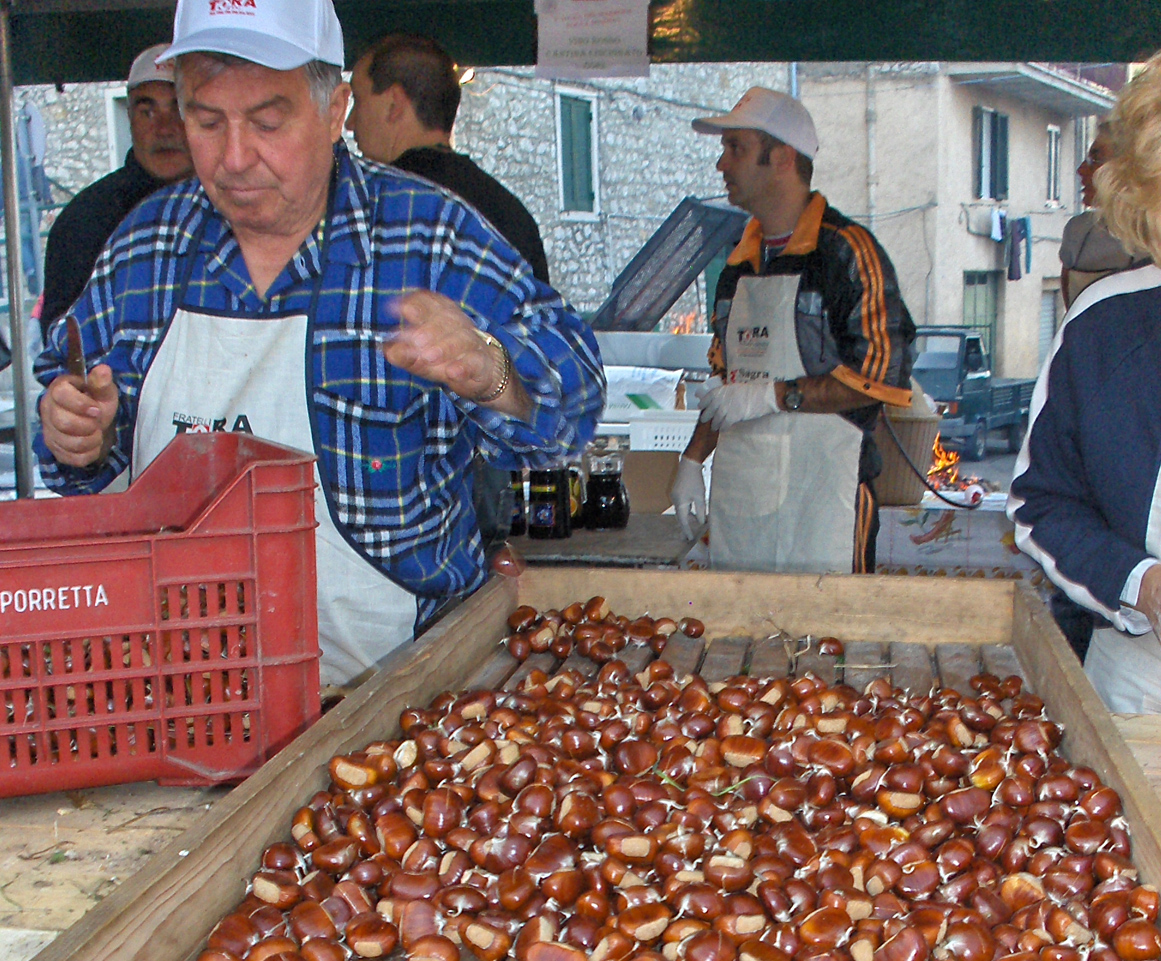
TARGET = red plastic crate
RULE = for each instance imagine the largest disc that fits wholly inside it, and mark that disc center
(169, 632)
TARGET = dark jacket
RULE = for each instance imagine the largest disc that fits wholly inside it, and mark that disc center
(81, 230)
(459, 173)
(1086, 491)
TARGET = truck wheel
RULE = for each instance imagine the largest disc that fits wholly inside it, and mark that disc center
(976, 447)
(1016, 434)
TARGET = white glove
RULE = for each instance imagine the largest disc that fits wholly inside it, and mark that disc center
(706, 390)
(688, 494)
(734, 403)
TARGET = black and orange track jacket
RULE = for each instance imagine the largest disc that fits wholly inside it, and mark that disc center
(850, 317)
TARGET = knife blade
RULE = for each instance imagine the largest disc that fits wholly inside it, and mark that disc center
(75, 363)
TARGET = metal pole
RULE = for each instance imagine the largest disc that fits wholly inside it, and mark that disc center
(21, 371)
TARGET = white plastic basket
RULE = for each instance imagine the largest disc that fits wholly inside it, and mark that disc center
(661, 429)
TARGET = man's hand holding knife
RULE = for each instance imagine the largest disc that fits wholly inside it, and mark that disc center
(78, 409)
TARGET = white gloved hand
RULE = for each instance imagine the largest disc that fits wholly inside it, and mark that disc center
(688, 494)
(734, 403)
(706, 390)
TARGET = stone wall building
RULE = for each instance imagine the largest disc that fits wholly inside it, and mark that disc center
(601, 163)
(646, 156)
(647, 159)
(81, 144)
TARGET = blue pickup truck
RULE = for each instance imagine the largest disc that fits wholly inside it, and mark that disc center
(953, 367)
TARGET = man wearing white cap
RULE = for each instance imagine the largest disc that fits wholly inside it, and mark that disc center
(811, 337)
(159, 156)
(329, 304)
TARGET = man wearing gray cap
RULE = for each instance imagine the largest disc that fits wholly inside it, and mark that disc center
(159, 156)
(298, 293)
(811, 337)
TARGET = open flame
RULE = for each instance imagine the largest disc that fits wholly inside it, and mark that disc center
(944, 470)
(684, 323)
(944, 473)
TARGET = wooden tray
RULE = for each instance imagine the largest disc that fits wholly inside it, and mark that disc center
(166, 911)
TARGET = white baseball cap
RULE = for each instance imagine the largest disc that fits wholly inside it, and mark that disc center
(146, 68)
(778, 114)
(280, 34)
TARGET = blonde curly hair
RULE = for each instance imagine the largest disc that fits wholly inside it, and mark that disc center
(1128, 185)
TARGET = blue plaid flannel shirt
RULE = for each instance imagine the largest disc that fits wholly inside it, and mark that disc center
(393, 449)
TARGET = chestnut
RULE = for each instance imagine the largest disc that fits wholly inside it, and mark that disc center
(1137, 940)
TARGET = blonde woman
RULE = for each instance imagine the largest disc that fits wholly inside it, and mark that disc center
(1088, 251)
(1086, 496)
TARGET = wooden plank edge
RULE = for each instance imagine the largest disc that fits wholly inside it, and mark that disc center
(745, 604)
(1055, 675)
(168, 908)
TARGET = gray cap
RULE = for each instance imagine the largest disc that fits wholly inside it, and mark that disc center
(778, 114)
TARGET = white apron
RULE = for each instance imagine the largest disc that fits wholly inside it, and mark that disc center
(1125, 669)
(236, 372)
(783, 489)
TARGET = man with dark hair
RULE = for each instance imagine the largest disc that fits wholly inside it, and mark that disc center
(811, 337)
(159, 156)
(407, 91)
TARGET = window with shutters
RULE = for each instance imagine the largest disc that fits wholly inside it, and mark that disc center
(1052, 195)
(990, 150)
(576, 150)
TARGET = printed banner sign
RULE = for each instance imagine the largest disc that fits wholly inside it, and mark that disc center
(592, 38)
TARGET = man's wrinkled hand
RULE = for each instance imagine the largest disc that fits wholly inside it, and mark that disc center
(733, 403)
(436, 340)
(77, 420)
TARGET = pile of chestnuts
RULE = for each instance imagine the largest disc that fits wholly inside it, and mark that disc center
(591, 629)
(665, 818)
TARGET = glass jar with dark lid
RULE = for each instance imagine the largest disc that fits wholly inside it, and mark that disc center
(606, 500)
(548, 503)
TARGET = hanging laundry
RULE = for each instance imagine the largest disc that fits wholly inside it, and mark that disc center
(1016, 236)
(1027, 245)
(997, 224)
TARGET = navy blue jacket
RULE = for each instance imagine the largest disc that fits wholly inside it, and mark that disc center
(1086, 495)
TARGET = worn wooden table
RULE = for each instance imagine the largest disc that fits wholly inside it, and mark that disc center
(649, 540)
(63, 853)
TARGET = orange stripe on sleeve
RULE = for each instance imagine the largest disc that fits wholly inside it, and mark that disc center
(875, 389)
(874, 303)
(863, 516)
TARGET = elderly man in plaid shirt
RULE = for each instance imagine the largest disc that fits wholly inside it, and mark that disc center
(326, 303)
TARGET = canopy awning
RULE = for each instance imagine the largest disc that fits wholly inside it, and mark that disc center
(66, 41)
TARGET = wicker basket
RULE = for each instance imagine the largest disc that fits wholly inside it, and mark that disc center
(916, 427)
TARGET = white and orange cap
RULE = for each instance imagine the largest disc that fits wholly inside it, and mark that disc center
(146, 68)
(778, 114)
(280, 34)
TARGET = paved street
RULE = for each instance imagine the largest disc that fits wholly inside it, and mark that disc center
(997, 467)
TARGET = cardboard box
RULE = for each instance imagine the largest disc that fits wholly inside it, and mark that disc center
(648, 477)
(632, 389)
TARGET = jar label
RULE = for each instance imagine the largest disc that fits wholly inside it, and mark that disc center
(542, 514)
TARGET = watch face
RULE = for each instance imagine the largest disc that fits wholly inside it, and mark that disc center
(793, 396)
